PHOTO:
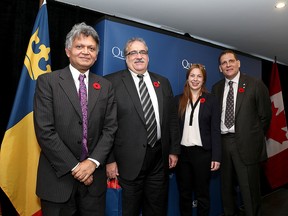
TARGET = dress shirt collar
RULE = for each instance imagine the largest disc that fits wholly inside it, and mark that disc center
(234, 80)
(135, 74)
(76, 73)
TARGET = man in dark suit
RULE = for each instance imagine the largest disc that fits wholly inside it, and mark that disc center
(243, 138)
(71, 177)
(142, 169)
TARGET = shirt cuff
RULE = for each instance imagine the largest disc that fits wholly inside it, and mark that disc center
(95, 161)
(75, 167)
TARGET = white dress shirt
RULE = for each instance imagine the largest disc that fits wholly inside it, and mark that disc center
(191, 134)
(235, 81)
(152, 94)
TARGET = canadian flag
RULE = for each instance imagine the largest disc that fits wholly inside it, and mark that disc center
(276, 167)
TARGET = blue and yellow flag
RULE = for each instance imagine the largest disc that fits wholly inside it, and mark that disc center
(20, 151)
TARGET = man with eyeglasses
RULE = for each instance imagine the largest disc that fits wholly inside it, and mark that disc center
(141, 158)
(245, 118)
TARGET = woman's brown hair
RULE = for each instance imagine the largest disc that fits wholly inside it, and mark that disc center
(187, 95)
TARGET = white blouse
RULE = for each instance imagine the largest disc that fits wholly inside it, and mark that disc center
(191, 134)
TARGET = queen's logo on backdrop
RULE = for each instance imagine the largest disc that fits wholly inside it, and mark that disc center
(117, 53)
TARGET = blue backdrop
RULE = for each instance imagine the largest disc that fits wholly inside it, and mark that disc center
(170, 55)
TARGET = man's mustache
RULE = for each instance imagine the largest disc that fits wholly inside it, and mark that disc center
(139, 61)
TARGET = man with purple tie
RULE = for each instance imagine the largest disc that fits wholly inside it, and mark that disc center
(75, 121)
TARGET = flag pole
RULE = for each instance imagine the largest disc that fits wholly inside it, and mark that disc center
(20, 150)
(275, 59)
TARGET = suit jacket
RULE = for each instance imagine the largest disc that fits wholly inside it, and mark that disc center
(131, 137)
(252, 117)
(58, 127)
(209, 124)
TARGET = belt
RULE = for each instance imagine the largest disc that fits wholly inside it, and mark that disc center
(158, 143)
(228, 135)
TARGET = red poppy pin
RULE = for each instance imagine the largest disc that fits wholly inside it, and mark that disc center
(156, 84)
(241, 90)
(202, 100)
(96, 86)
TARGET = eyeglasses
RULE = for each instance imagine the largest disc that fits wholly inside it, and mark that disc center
(230, 61)
(135, 53)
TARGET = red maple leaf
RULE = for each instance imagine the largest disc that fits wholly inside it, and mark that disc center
(275, 131)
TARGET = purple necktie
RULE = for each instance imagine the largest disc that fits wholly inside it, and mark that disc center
(84, 108)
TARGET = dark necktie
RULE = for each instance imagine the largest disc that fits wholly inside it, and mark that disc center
(229, 113)
(148, 110)
(193, 107)
(84, 109)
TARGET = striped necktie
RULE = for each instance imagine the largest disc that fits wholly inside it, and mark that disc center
(148, 110)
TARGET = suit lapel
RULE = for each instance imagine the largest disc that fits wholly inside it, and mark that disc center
(93, 92)
(132, 91)
(240, 92)
(221, 92)
(158, 89)
(67, 83)
(201, 106)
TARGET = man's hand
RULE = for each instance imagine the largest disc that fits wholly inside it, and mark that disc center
(112, 170)
(83, 172)
(89, 180)
(215, 165)
(173, 159)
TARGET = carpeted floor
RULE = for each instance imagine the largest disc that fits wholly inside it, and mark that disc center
(276, 203)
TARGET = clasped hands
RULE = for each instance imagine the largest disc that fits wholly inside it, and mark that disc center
(84, 171)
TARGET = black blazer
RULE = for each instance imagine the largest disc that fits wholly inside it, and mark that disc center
(209, 124)
(58, 127)
(131, 138)
(252, 117)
